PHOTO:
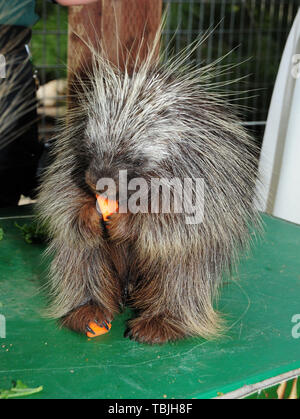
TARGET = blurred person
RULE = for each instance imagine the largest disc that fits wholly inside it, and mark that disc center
(20, 149)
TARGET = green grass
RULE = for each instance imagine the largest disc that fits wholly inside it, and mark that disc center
(50, 49)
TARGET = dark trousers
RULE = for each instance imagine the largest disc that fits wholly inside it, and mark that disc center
(19, 159)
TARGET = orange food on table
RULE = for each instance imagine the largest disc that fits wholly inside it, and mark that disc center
(98, 330)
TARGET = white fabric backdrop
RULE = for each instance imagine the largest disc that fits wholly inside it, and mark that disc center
(280, 157)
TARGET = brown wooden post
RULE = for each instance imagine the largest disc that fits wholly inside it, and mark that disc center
(120, 25)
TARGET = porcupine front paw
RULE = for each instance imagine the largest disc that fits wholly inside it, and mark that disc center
(89, 319)
(154, 330)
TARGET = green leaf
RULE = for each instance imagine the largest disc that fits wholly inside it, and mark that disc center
(33, 232)
(1, 233)
(19, 390)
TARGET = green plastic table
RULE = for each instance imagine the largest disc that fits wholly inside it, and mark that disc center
(259, 303)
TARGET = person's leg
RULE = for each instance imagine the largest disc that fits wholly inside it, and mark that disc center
(20, 149)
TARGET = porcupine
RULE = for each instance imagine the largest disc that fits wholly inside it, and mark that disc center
(162, 121)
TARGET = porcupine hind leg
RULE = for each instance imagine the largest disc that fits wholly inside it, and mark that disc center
(173, 298)
(172, 311)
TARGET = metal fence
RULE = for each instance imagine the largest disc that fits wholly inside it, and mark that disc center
(254, 30)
